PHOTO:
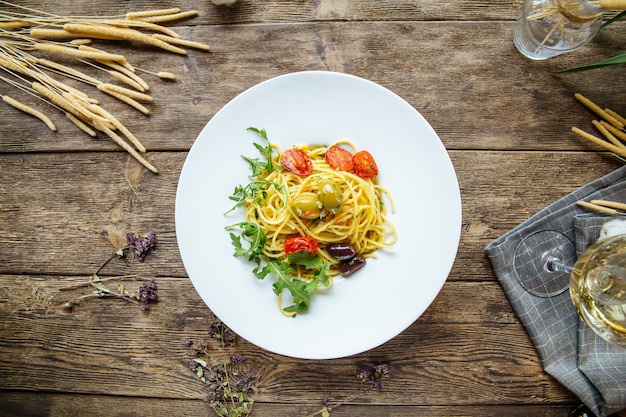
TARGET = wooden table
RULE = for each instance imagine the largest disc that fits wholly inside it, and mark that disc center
(505, 121)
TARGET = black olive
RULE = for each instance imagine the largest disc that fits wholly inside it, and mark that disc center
(341, 251)
(348, 268)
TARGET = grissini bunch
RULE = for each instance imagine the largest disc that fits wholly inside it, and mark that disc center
(26, 33)
(612, 127)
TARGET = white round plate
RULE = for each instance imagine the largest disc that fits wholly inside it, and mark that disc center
(390, 292)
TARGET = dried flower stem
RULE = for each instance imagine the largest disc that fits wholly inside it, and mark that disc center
(107, 279)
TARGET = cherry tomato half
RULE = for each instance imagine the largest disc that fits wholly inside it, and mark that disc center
(297, 244)
(364, 165)
(339, 159)
(297, 161)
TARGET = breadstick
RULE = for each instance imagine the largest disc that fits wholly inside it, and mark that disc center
(127, 100)
(82, 126)
(33, 112)
(182, 42)
(142, 25)
(607, 134)
(612, 4)
(18, 24)
(596, 207)
(119, 125)
(126, 147)
(124, 64)
(168, 17)
(51, 34)
(617, 116)
(122, 34)
(612, 204)
(619, 133)
(166, 75)
(596, 109)
(78, 74)
(154, 12)
(79, 53)
(127, 80)
(609, 146)
(130, 93)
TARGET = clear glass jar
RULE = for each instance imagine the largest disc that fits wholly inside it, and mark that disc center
(548, 28)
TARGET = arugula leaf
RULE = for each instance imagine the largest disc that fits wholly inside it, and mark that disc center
(261, 168)
(306, 259)
(301, 291)
(256, 190)
(253, 235)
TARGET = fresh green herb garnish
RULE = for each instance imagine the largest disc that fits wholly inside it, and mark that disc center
(250, 244)
(256, 190)
(301, 291)
(259, 167)
(250, 241)
(255, 238)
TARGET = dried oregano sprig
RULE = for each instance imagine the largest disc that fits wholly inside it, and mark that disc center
(230, 385)
(137, 247)
(372, 377)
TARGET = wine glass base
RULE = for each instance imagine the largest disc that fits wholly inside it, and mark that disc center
(543, 262)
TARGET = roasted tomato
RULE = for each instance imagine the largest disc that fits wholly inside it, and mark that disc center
(339, 159)
(297, 161)
(297, 244)
(364, 165)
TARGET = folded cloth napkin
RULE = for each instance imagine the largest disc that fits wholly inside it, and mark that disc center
(594, 370)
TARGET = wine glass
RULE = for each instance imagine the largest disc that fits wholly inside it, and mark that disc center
(545, 265)
(598, 288)
(543, 262)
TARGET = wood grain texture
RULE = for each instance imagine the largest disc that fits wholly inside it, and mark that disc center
(459, 90)
(61, 210)
(463, 344)
(19, 404)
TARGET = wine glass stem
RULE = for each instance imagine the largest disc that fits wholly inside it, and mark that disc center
(554, 264)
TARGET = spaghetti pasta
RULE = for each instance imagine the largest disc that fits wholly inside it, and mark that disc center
(304, 206)
(361, 219)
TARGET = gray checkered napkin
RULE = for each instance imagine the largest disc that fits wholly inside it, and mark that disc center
(594, 370)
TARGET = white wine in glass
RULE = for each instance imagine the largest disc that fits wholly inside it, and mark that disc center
(598, 288)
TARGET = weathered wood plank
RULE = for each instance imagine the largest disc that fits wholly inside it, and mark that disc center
(27, 404)
(248, 11)
(463, 345)
(52, 224)
(456, 81)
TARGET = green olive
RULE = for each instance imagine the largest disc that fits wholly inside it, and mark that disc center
(330, 195)
(307, 206)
